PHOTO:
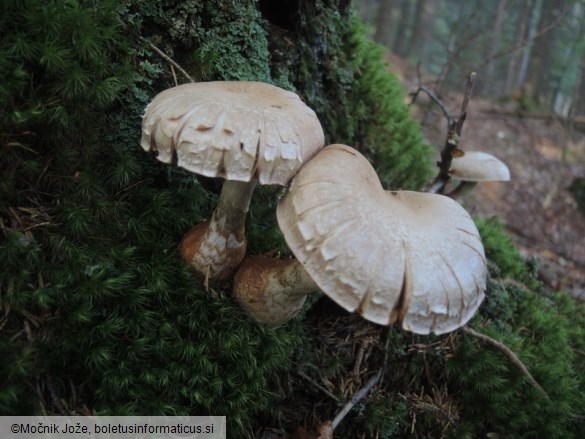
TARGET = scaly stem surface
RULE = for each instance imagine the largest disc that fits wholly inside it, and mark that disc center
(216, 247)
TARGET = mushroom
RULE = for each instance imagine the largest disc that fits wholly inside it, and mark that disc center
(243, 132)
(473, 167)
(405, 256)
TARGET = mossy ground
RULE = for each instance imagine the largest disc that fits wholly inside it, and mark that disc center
(98, 312)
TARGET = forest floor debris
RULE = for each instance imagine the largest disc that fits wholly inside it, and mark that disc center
(544, 157)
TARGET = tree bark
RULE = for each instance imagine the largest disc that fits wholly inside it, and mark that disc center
(384, 22)
(532, 29)
(580, 105)
(543, 54)
(492, 84)
(563, 99)
(400, 45)
(365, 10)
(422, 31)
(514, 64)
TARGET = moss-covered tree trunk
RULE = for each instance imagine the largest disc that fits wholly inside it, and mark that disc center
(91, 223)
(93, 294)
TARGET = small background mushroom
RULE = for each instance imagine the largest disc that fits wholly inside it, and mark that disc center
(473, 167)
(240, 131)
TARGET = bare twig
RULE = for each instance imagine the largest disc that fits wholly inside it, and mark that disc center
(463, 113)
(40, 397)
(318, 386)
(166, 58)
(174, 75)
(356, 398)
(430, 94)
(452, 141)
(508, 353)
(163, 55)
(434, 98)
(55, 398)
(360, 356)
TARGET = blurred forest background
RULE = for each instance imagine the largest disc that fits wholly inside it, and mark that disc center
(99, 314)
(531, 50)
(528, 108)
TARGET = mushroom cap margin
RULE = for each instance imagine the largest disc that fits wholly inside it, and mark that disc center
(479, 166)
(402, 255)
(237, 130)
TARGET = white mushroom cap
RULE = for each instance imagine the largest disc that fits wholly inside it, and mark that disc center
(479, 166)
(234, 130)
(407, 256)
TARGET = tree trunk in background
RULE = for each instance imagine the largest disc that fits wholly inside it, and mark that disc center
(384, 24)
(580, 104)
(514, 64)
(365, 10)
(562, 98)
(400, 45)
(491, 84)
(526, 55)
(516, 45)
(422, 32)
(542, 53)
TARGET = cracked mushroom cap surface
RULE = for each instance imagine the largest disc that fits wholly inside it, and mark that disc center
(237, 130)
(479, 166)
(411, 257)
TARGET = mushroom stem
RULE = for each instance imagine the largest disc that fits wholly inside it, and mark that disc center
(217, 246)
(272, 290)
(462, 191)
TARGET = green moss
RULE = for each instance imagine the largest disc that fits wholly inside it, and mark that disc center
(385, 415)
(16, 369)
(496, 396)
(92, 225)
(211, 40)
(544, 330)
(384, 129)
(340, 73)
(500, 249)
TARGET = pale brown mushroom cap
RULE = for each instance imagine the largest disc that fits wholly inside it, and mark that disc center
(235, 130)
(407, 256)
(479, 166)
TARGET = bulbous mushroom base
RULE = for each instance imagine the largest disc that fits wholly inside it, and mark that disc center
(272, 290)
(213, 251)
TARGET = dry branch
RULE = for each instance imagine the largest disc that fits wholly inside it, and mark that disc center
(431, 95)
(452, 141)
(167, 58)
(508, 353)
(356, 398)
(318, 386)
(163, 55)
